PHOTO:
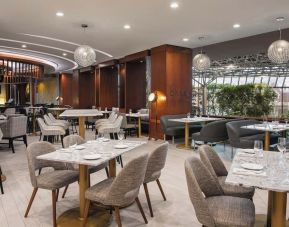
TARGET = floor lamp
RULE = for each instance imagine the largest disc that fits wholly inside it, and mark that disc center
(152, 98)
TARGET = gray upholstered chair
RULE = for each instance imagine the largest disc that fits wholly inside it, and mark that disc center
(14, 128)
(111, 128)
(212, 132)
(120, 191)
(76, 139)
(127, 127)
(156, 163)
(9, 111)
(50, 122)
(50, 180)
(244, 138)
(212, 207)
(218, 170)
(174, 129)
(112, 117)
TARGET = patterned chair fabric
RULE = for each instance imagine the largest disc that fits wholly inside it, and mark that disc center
(49, 130)
(111, 128)
(124, 188)
(212, 207)
(10, 111)
(218, 170)
(112, 117)
(49, 122)
(53, 119)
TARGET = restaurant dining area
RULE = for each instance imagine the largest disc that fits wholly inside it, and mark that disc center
(154, 113)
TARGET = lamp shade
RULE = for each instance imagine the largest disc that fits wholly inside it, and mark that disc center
(278, 52)
(152, 97)
(201, 62)
(84, 55)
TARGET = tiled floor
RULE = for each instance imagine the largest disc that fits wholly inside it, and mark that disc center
(176, 211)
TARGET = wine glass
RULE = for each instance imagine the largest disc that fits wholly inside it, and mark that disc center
(188, 115)
(130, 111)
(99, 136)
(281, 145)
(286, 165)
(258, 149)
(121, 135)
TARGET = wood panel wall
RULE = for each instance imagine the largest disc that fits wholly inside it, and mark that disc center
(122, 87)
(65, 82)
(86, 90)
(172, 78)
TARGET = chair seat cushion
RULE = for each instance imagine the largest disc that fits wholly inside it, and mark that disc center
(56, 179)
(235, 190)
(230, 211)
(98, 193)
(198, 137)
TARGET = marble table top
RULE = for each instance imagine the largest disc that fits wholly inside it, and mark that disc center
(80, 113)
(58, 108)
(35, 107)
(268, 127)
(272, 177)
(136, 115)
(195, 119)
(106, 150)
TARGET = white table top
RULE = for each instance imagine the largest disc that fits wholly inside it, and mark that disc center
(268, 127)
(80, 113)
(35, 107)
(259, 179)
(195, 119)
(105, 149)
(105, 111)
(58, 108)
(136, 115)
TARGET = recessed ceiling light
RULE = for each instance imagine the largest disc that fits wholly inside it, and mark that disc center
(185, 39)
(23, 46)
(64, 54)
(174, 5)
(280, 19)
(60, 14)
(236, 26)
(126, 26)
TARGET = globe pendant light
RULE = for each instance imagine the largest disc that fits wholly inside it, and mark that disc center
(201, 62)
(278, 51)
(84, 55)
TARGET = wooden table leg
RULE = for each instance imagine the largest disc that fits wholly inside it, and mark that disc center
(267, 141)
(279, 201)
(112, 168)
(81, 127)
(139, 127)
(83, 186)
(187, 135)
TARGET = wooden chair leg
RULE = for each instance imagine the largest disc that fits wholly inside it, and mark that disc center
(65, 190)
(62, 141)
(54, 207)
(148, 199)
(57, 194)
(141, 210)
(161, 189)
(25, 140)
(107, 173)
(11, 145)
(121, 163)
(30, 202)
(117, 216)
(87, 204)
(1, 184)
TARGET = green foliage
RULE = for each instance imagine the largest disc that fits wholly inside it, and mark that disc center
(249, 99)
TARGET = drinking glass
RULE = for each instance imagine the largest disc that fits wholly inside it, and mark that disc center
(258, 149)
(281, 145)
(286, 165)
(188, 115)
(99, 136)
(130, 111)
(121, 135)
(105, 109)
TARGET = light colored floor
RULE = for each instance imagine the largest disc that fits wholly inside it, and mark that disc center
(176, 211)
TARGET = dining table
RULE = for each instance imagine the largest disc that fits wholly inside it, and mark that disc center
(57, 110)
(191, 120)
(268, 171)
(81, 114)
(91, 153)
(138, 116)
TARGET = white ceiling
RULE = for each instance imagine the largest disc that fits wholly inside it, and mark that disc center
(152, 22)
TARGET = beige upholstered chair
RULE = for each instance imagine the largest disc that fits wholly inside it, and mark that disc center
(212, 207)
(120, 191)
(50, 122)
(111, 128)
(218, 170)
(50, 180)
(53, 119)
(76, 139)
(112, 117)
(156, 163)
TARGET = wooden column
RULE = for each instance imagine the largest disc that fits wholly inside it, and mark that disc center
(171, 77)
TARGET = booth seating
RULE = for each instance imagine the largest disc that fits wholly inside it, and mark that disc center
(244, 138)
(176, 129)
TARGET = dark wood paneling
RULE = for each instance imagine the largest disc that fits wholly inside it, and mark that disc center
(86, 90)
(75, 89)
(122, 78)
(97, 86)
(171, 70)
(108, 87)
(65, 81)
(135, 85)
(137, 56)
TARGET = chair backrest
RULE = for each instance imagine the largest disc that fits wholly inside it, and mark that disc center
(9, 111)
(118, 122)
(125, 187)
(47, 120)
(165, 123)
(216, 129)
(212, 161)
(15, 126)
(41, 124)
(201, 183)
(115, 109)
(112, 116)
(124, 120)
(36, 149)
(52, 118)
(72, 139)
(156, 162)
(143, 111)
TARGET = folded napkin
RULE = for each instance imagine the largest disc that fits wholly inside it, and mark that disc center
(240, 171)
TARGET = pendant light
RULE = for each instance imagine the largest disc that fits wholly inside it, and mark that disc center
(84, 55)
(201, 62)
(278, 51)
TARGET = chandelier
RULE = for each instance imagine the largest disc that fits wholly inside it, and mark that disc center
(201, 62)
(84, 55)
(278, 51)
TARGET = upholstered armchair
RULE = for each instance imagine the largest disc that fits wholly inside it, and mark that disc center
(15, 128)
